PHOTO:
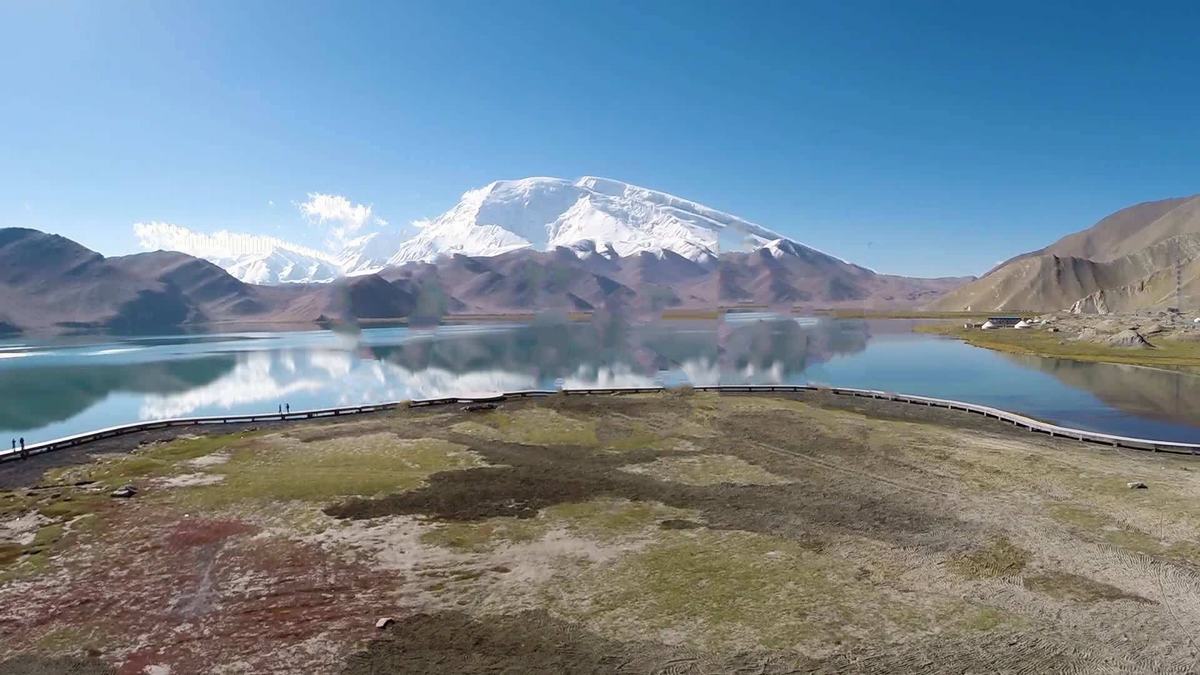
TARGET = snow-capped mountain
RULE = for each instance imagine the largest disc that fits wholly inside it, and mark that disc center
(544, 213)
(280, 266)
(369, 253)
(253, 259)
(590, 216)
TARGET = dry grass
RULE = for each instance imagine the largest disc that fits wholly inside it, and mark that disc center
(706, 470)
(667, 531)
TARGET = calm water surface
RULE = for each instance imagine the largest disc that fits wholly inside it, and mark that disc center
(55, 388)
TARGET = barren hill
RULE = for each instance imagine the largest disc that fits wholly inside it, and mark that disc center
(1124, 262)
(48, 282)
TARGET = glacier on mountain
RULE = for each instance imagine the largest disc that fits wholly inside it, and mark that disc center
(544, 213)
(251, 258)
(588, 216)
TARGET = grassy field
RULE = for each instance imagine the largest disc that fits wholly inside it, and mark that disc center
(1165, 354)
(675, 532)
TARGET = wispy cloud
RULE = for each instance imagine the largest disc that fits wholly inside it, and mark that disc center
(344, 218)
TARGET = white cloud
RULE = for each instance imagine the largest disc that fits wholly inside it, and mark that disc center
(345, 218)
(222, 245)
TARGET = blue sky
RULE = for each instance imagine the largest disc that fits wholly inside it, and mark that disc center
(913, 137)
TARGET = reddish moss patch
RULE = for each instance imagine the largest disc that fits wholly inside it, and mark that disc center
(193, 532)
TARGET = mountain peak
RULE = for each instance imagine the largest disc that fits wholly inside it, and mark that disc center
(543, 213)
(780, 247)
(590, 215)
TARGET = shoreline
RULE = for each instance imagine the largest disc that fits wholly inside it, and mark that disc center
(171, 429)
(1167, 354)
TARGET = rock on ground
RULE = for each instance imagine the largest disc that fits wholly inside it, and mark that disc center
(1128, 338)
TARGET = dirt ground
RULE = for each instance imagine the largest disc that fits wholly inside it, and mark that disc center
(662, 533)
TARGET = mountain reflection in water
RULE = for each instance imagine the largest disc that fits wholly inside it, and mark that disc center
(1155, 393)
(56, 389)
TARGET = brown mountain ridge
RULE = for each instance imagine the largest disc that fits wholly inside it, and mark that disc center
(1125, 262)
(50, 283)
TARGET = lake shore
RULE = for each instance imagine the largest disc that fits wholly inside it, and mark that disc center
(772, 533)
(1157, 340)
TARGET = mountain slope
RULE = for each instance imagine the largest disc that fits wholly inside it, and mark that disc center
(254, 259)
(563, 279)
(50, 283)
(545, 213)
(211, 291)
(1131, 229)
(48, 280)
(1126, 261)
(782, 273)
(591, 219)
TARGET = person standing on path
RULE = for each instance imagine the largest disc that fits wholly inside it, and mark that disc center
(24, 455)
(280, 408)
(288, 407)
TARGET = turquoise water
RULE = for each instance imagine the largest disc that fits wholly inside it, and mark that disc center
(60, 387)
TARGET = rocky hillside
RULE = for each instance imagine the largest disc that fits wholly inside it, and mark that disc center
(1125, 262)
(48, 282)
(51, 283)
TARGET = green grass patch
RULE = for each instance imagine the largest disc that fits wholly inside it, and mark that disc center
(703, 470)
(1133, 540)
(37, 554)
(78, 505)
(611, 518)
(998, 559)
(193, 448)
(531, 426)
(70, 515)
(13, 504)
(599, 519)
(282, 468)
(486, 535)
(149, 461)
(984, 618)
(1101, 527)
(1076, 588)
(729, 588)
(71, 639)
(47, 535)
(634, 435)
(745, 580)
(1081, 517)
(1165, 354)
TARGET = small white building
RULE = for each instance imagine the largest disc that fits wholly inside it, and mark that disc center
(1004, 322)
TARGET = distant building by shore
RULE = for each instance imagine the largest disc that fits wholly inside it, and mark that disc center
(1001, 322)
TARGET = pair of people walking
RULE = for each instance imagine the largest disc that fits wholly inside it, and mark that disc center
(283, 408)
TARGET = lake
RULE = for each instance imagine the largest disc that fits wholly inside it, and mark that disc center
(53, 388)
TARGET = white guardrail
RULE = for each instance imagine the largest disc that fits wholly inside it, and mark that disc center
(987, 411)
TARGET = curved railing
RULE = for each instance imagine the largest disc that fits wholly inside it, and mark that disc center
(1012, 418)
